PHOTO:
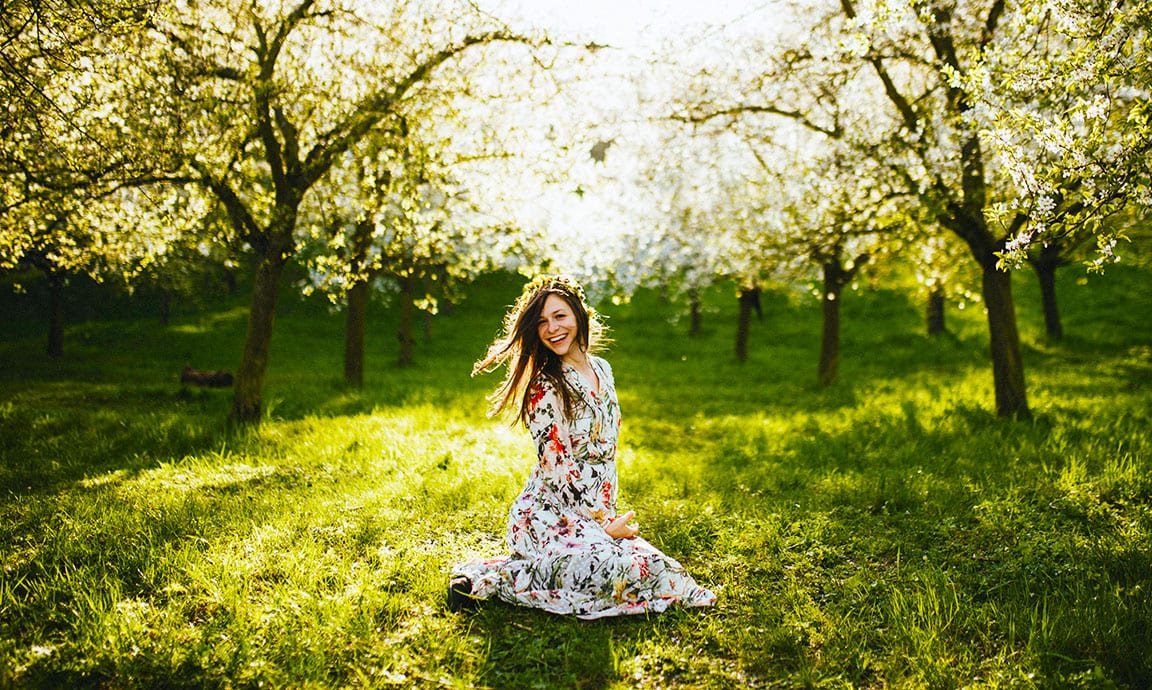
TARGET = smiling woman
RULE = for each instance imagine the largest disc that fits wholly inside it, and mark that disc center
(571, 552)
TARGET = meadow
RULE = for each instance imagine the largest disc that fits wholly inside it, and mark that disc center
(888, 531)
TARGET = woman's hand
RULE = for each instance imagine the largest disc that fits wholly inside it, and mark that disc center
(619, 528)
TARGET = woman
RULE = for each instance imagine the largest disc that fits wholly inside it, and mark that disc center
(570, 552)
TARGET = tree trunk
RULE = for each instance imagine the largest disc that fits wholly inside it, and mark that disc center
(694, 311)
(249, 382)
(1045, 267)
(426, 284)
(747, 298)
(55, 315)
(968, 222)
(935, 310)
(354, 328)
(830, 334)
(1047, 276)
(356, 316)
(1007, 364)
(407, 307)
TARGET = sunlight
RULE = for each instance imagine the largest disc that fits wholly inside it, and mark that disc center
(621, 162)
(640, 24)
(210, 322)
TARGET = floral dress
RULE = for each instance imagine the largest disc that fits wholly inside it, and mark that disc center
(561, 558)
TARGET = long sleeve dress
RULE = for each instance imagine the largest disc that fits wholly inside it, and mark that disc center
(561, 558)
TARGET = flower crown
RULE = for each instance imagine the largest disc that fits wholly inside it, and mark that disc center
(548, 281)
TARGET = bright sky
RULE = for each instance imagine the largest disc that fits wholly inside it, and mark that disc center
(638, 27)
(635, 23)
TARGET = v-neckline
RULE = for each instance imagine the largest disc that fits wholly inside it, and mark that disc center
(594, 391)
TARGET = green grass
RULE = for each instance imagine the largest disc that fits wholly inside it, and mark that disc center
(888, 531)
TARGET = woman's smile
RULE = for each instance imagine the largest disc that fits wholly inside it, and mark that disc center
(557, 325)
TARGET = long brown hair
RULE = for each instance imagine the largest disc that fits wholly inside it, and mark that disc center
(528, 359)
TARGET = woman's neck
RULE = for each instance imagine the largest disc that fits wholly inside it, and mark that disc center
(578, 359)
(582, 364)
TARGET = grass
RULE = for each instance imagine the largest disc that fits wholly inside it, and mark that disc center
(885, 532)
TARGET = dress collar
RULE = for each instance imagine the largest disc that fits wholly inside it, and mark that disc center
(582, 383)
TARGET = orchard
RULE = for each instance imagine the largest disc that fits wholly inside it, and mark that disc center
(876, 275)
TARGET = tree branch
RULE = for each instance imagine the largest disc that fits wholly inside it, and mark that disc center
(834, 132)
(286, 27)
(380, 104)
(906, 112)
(993, 20)
(237, 212)
(268, 53)
(291, 138)
(945, 48)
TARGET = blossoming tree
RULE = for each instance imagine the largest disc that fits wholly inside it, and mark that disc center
(402, 216)
(1064, 101)
(900, 68)
(267, 97)
(69, 145)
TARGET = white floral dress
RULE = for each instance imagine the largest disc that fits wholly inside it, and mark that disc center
(561, 558)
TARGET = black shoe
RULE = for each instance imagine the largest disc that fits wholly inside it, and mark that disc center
(460, 594)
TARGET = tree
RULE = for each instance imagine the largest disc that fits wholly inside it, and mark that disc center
(932, 43)
(267, 100)
(76, 162)
(117, 235)
(403, 217)
(423, 207)
(895, 67)
(675, 257)
(822, 199)
(716, 219)
(676, 245)
(191, 267)
(1064, 100)
(48, 52)
(938, 260)
(1045, 259)
(838, 223)
(837, 219)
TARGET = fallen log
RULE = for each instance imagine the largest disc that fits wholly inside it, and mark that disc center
(207, 379)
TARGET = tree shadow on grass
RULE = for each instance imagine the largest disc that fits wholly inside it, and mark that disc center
(62, 433)
(527, 648)
(74, 556)
(993, 509)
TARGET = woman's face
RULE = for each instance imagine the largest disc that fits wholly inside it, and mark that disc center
(557, 327)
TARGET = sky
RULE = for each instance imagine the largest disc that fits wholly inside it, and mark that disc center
(641, 28)
(635, 23)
